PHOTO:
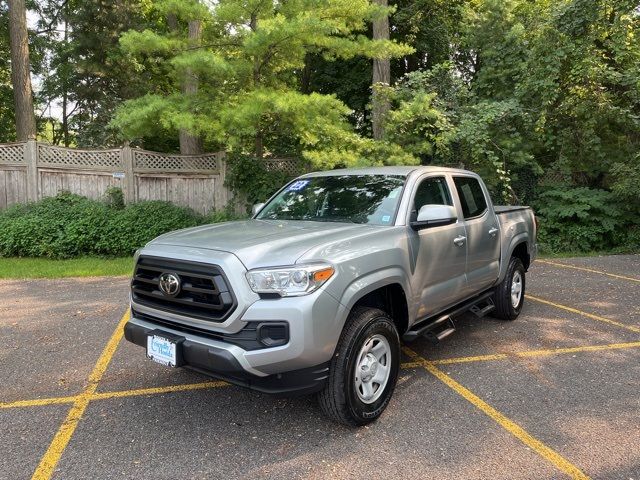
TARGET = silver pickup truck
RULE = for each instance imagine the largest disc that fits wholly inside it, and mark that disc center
(315, 293)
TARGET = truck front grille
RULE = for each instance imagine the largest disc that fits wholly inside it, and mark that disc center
(204, 292)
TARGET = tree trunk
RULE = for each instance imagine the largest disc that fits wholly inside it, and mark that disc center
(65, 88)
(381, 75)
(191, 144)
(259, 139)
(20, 71)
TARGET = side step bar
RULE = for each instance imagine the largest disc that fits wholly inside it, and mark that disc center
(443, 325)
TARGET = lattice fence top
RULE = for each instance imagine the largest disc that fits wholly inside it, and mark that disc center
(59, 156)
(292, 166)
(144, 159)
(12, 153)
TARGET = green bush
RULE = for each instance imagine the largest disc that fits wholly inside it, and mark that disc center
(63, 226)
(248, 177)
(580, 220)
(138, 223)
(69, 225)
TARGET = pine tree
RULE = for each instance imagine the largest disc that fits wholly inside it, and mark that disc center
(247, 64)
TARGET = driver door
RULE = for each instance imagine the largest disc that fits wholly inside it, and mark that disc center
(439, 263)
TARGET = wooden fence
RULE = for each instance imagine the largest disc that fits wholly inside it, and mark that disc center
(33, 170)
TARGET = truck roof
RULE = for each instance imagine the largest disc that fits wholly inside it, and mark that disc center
(400, 170)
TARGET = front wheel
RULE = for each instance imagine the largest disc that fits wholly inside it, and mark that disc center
(509, 294)
(363, 370)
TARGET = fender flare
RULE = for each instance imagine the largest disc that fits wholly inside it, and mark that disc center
(366, 284)
(518, 239)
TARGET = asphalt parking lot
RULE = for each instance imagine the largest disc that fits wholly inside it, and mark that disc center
(554, 394)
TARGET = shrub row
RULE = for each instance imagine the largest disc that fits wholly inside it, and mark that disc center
(582, 219)
(70, 225)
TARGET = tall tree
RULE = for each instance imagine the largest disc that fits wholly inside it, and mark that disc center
(87, 75)
(381, 74)
(248, 64)
(20, 71)
(7, 108)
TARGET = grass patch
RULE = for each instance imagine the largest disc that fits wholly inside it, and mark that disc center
(13, 267)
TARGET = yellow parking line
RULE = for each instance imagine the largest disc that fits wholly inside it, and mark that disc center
(536, 353)
(584, 314)
(509, 425)
(158, 390)
(564, 265)
(61, 439)
(478, 358)
(38, 402)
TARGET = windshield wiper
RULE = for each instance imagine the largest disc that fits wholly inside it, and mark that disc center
(332, 219)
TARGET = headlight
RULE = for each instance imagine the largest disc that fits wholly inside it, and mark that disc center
(290, 281)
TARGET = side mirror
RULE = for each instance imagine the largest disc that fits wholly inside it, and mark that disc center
(256, 208)
(434, 216)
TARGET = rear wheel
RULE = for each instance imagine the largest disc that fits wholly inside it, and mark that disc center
(509, 294)
(364, 369)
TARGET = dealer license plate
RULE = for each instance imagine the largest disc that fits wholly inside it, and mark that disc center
(162, 350)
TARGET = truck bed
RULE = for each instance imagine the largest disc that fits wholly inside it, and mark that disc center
(500, 209)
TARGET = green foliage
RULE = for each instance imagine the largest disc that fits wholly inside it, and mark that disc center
(247, 63)
(140, 222)
(251, 181)
(580, 220)
(114, 198)
(69, 225)
(86, 75)
(62, 226)
(7, 128)
(420, 127)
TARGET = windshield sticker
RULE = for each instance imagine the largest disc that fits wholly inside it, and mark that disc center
(297, 185)
(386, 218)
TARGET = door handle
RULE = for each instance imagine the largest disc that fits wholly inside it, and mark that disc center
(459, 240)
(493, 231)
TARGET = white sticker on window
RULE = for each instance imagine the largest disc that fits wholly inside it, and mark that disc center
(386, 218)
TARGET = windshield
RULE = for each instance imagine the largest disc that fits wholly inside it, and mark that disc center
(370, 199)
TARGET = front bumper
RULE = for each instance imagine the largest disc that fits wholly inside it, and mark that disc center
(314, 324)
(221, 363)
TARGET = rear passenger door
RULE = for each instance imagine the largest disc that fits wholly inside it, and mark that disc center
(438, 254)
(483, 239)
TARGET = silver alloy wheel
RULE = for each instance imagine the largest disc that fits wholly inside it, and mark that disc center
(372, 368)
(516, 289)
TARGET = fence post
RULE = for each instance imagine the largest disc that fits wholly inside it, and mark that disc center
(31, 157)
(126, 155)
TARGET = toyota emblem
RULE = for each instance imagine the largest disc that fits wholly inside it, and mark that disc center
(170, 284)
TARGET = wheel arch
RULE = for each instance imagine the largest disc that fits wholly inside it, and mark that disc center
(385, 289)
(518, 247)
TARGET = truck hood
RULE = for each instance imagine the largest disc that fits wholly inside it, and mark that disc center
(263, 243)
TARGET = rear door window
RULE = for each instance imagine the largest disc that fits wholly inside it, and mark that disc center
(471, 196)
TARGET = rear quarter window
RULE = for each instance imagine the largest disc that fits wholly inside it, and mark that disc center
(471, 196)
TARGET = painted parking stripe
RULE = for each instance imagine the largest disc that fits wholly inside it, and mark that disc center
(537, 353)
(39, 402)
(584, 314)
(592, 270)
(158, 390)
(65, 432)
(509, 425)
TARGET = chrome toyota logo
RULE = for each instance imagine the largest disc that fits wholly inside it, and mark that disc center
(169, 284)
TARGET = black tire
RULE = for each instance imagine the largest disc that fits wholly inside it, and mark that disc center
(339, 399)
(504, 307)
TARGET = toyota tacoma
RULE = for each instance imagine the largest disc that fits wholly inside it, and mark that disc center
(316, 292)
